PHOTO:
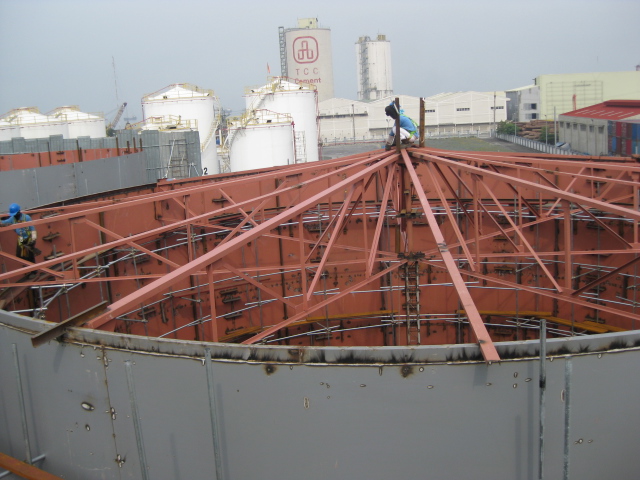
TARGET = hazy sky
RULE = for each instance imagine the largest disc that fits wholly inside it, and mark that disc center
(61, 52)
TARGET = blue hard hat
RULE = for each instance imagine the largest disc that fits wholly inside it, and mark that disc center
(13, 209)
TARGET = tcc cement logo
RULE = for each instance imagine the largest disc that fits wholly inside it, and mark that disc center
(305, 50)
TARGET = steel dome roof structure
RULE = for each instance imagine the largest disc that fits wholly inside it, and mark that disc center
(423, 237)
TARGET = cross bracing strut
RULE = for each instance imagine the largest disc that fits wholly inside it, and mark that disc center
(251, 256)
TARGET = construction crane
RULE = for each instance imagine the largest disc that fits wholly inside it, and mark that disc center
(116, 119)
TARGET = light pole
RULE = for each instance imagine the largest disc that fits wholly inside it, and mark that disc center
(353, 121)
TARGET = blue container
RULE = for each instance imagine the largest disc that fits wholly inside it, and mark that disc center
(611, 129)
(614, 145)
(636, 131)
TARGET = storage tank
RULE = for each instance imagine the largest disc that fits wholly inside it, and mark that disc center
(28, 122)
(180, 104)
(67, 121)
(75, 123)
(373, 58)
(306, 55)
(260, 138)
(300, 100)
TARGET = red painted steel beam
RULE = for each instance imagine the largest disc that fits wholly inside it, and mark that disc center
(542, 292)
(599, 205)
(25, 470)
(167, 228)
(391, 175)
(452, 219)
(191, 268)
(485, 342)
(259, 285)
(522, 238)
(341, 217)
(310, 309)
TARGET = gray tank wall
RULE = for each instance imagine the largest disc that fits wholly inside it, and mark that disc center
(315, 413)
(164, 155)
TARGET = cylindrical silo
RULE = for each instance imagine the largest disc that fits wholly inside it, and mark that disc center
(75, 123)
(373, 59)
(260, 139)
(298, 100)
(28, 122)
(306, 56)
(181, 103)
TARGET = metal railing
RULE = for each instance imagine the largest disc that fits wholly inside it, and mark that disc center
(535, 145)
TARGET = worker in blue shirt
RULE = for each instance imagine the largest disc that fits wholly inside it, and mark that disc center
(26, 235)
(408, 128)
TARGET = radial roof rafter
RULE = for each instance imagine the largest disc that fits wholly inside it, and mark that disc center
(436, 185)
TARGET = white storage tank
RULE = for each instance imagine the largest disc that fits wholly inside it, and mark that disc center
(67, 121)
(75, 123)
(373, 58)
(300, 100)
(260, 139)
(183, 104)
(27, 123)
(306, 52)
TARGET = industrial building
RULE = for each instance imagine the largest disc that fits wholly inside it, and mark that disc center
(306, 55)
(445, 114)
(523, 104)
(607, 128)
(566, 92)
(374, 73)
(67, 121)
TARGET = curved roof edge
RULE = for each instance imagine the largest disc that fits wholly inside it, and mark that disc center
(392, 355)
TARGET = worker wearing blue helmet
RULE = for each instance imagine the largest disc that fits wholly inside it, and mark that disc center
(26, 235)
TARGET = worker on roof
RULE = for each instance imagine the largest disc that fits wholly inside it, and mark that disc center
(27, 236)
(408, 128)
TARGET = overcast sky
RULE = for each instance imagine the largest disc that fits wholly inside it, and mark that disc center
(62, 52)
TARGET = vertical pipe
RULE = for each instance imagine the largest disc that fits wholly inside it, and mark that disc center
(136, 421)
(568, 267)
(568, 368)
(212, 304)
(213, 414)
(542, 388)
(422, 121)
(23, 410)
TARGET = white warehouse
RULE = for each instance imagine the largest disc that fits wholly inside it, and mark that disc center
(445, 114)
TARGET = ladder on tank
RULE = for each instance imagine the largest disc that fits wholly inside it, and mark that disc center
(411, 273)
(301, 147)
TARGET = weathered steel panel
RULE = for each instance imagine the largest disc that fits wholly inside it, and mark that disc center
(291, 419)
(109, 174)
(41, 186)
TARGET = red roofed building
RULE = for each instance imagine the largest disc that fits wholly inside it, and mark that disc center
(608, 128)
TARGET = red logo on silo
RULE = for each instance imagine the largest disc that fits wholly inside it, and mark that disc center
(305, 50)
